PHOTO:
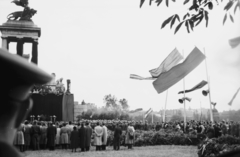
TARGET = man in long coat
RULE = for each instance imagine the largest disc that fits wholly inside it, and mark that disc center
(117, 137)
(35, 132)
(74, 139)
(88, 136)
(51, 136)
(105, 136)
(98, 131)
(82, 137)
(27, 135)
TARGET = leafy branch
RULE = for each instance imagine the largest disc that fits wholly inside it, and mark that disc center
(198, 10)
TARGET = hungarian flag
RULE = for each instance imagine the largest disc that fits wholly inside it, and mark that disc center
(171, 77)
(148, 112)
(198, 86)
(234, 96)
(133, 76)
(172, 59)
(136, 110)
(234, 42)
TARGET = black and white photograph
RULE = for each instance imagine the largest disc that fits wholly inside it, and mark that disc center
(117, 78)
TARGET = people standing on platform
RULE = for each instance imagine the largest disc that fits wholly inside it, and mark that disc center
(51, 136)
(64, 136)
(105, 136)
(27, 135)
(88, 136)
(130, 136)
(98, 131)
(35, 132)
(74, 139)
(117, 137)
(82, 137)
(43, 136)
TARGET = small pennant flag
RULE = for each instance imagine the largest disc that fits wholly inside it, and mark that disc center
(198, 86)
(136, 110)
(234, 42)
(234, 96)
(178, 72)
(148, 112)
(172, 59)
(136, 77)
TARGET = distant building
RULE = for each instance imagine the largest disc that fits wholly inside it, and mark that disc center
(79, 109)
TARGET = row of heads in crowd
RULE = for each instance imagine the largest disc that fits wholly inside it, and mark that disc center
(125, 122)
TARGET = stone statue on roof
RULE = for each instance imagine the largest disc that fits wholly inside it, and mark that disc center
(24, 15)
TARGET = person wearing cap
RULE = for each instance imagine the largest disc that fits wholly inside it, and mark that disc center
(18, 77)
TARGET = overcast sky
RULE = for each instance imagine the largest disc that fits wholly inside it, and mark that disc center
(99, 43)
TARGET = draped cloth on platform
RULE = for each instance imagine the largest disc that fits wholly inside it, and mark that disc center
(171, 77)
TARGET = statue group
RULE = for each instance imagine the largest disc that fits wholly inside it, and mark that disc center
(24, 15)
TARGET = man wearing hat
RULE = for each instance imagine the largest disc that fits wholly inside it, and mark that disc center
(18, 77)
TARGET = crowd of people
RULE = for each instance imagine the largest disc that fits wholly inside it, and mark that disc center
(38, 135)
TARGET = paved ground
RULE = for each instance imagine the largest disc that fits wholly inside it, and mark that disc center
(152, 151)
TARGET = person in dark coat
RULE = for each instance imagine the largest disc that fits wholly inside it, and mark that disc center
(117, 137)
(88, 136)
(27, 135)
(35, 132)
(51, 136)
(74, 138)
(82, 137)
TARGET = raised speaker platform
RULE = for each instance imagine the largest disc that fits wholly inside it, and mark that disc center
(62, 106)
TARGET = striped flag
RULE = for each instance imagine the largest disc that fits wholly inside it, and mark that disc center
(136, 110)
(172, 59)
(198, 86)
(148, 112)
(234, 96)
(234, 42)
(171, 77)
(136, 77)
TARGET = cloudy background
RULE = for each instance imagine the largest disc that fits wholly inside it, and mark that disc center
(99, 43)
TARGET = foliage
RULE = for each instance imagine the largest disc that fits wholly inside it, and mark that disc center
(217, 146)
(95, 113)
(123, 102)
(197, 11)
(162, 137)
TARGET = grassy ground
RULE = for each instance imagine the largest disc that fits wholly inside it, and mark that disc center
(152, 151)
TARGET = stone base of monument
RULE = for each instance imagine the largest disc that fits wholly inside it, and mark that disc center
(61, 106)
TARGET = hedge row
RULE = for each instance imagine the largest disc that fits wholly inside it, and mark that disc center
(162, 137)
(216, 146)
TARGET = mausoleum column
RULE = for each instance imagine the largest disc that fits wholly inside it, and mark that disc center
(4, 42)
(35, 51)
(20, 47)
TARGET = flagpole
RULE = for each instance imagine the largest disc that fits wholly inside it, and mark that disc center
(164, 112)
(201, 110)
(211, 114)
(185, 118)
(152, 117)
